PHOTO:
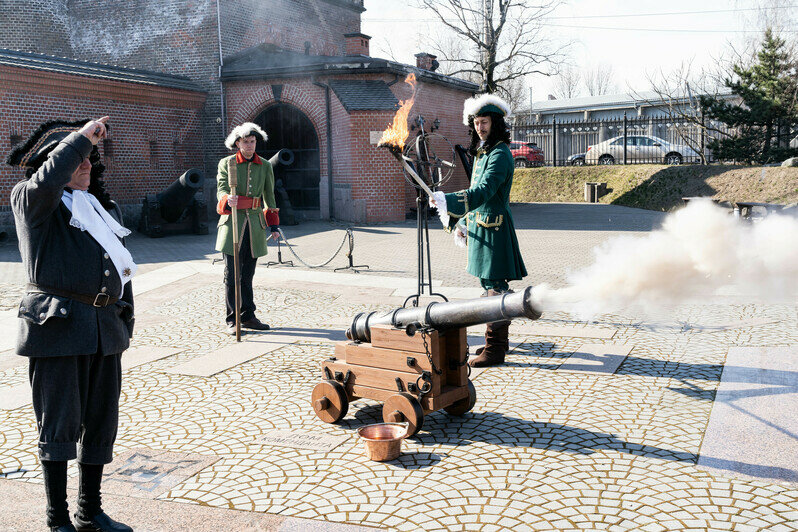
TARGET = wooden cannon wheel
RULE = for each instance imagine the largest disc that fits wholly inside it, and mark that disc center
(404, 408)
(458, 408)
(330, 401)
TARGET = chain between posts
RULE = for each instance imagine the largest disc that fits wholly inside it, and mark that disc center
(349, 235)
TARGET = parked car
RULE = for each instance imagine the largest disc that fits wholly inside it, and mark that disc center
(577, 159)
(526, 154)
(639, 149)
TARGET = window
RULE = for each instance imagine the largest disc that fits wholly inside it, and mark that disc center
(617, 142)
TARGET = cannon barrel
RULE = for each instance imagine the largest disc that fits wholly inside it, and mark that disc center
(284, 157)
(176, 197)
(449, 315)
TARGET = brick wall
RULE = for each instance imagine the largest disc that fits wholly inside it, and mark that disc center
(176, 37)
(155, 132)
(41, 26)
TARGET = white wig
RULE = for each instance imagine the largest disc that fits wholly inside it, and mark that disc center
(485, 103)
(244, 130)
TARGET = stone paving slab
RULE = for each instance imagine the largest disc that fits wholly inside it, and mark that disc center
(8, 329)
(15, 396)
(233, 354)
(753, 429)
(140, 355)
(597, 358)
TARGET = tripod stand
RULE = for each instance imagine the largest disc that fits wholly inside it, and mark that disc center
(424, 276)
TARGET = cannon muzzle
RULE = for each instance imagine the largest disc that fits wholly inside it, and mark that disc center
(176, 197)
(449, 315)
(283, 157)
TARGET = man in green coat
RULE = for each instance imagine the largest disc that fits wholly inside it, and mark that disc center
(481, 216)
(252, 199)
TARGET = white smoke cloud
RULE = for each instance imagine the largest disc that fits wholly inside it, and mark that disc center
(698, 250)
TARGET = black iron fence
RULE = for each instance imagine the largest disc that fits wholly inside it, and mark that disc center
(638, 140)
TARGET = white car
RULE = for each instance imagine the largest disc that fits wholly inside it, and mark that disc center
(640, 149)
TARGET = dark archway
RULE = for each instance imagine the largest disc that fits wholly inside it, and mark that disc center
(290, 128)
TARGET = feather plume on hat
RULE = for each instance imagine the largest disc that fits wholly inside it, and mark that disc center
(485, 103)
(244, 130)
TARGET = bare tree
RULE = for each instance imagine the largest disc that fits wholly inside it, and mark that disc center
(567, 83)
(499, 42)
(600, 80)
(677, 94)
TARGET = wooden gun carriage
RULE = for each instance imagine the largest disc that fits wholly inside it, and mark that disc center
(414, 359)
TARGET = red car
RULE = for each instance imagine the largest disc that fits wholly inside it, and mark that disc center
(526, 154)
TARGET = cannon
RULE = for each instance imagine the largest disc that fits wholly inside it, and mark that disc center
(284, 157)
(413, 359)
(175, 210)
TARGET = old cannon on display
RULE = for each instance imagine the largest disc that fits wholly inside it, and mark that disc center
(413, 359)
(175, 210)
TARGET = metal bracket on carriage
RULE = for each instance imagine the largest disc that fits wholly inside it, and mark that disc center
(411, 328)
(339, 376)
(411, 361)
(399, 386)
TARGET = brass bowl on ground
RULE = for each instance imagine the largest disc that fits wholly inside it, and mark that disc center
(383, 440)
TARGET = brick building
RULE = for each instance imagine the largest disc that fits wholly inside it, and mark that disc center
(175, 76)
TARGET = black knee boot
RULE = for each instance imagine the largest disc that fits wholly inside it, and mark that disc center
(55, 484)
(89, 500)
(90, 516)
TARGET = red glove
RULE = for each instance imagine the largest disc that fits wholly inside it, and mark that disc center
(272, 217)
(223, 207)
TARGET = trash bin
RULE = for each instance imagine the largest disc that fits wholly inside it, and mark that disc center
(591, 192)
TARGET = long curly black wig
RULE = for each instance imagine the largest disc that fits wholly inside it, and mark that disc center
(498, 132)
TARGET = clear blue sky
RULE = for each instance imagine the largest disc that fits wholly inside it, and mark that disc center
(602, 31)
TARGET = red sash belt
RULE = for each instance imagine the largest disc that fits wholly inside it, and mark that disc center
(245, 202)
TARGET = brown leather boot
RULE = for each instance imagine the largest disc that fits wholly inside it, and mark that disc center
(496, 345)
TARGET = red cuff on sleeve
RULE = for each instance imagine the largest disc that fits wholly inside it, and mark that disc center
(272, 216)
(222, 207)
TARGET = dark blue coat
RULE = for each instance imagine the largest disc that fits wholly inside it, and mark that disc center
(62, 257)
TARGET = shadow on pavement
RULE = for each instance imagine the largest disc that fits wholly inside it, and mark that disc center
(587, 217)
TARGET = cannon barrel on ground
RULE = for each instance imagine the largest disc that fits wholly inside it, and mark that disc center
(448, 315)
(175, 198)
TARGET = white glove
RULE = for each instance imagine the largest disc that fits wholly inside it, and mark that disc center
(438, 200)
(460, 235)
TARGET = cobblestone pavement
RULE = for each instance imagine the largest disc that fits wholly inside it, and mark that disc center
(545, 448)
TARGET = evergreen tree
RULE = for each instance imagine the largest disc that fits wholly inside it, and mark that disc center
(768, 112)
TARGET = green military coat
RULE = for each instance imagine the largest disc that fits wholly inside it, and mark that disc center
(493, 251)
(256, 181)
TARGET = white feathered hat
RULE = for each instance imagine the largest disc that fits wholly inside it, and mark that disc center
(244, 130)
(485, 103)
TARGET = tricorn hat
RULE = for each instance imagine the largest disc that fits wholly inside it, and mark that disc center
(485, 103)
(244, 130)
(34, 151)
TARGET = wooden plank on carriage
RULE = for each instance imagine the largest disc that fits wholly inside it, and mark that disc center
(455, 342)
(390, 338)
(429, 403)
(378, 357)
(376, 377)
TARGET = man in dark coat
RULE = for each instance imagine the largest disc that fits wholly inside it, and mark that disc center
(481, 217)
(76, 318)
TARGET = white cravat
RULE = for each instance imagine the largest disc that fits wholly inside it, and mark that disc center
(89, 215)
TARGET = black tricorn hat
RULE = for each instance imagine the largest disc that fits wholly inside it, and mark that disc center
(33, 152)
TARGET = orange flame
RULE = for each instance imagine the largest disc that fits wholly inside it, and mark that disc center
(396, 134)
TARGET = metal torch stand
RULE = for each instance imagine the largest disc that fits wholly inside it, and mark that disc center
(424, 276)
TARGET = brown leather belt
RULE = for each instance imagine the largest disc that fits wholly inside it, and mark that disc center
(100, 300)
(245, 202)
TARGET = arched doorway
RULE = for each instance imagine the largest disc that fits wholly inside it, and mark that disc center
(290, 128)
